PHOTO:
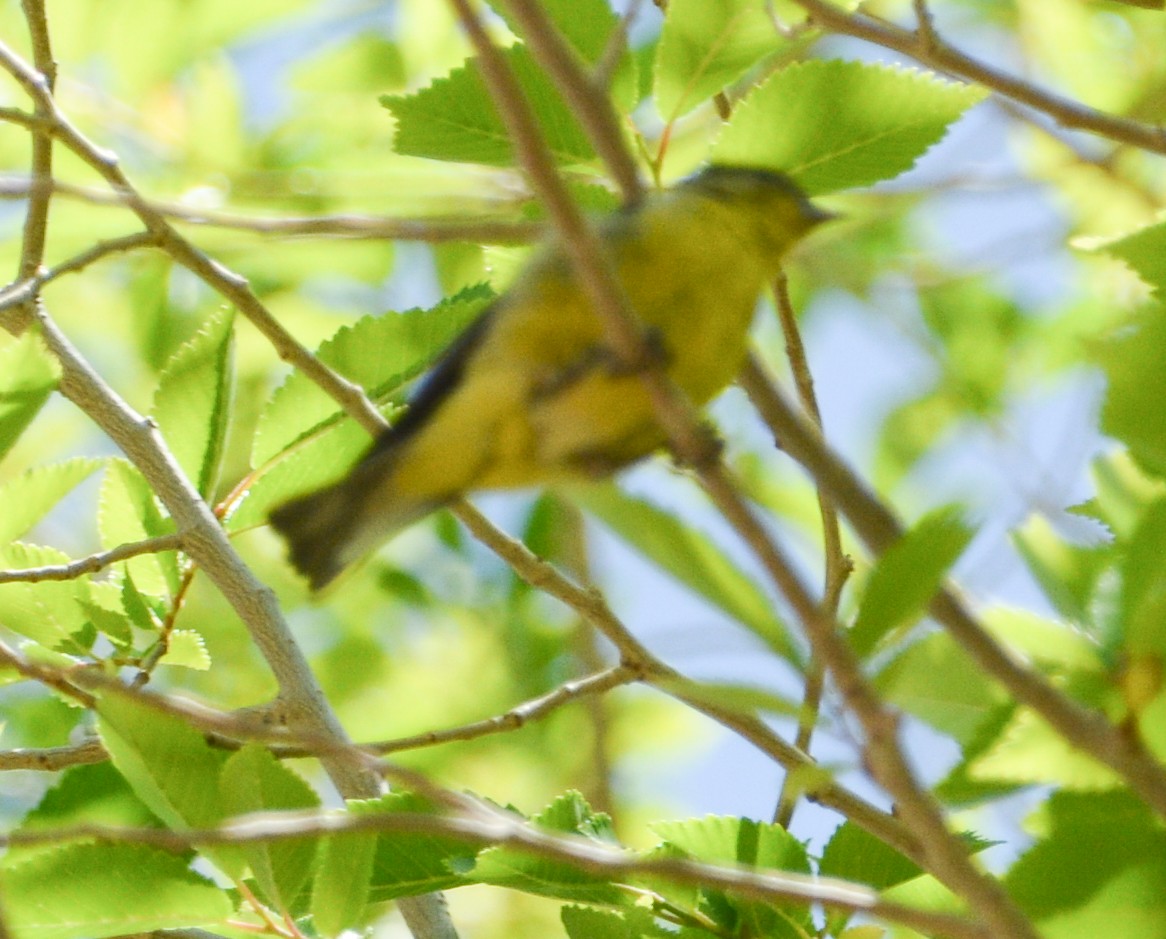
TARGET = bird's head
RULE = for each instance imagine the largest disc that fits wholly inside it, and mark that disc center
(774, 208)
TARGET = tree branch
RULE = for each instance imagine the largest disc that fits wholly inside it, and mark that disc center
(53, 678)
(203, 538)
(36, 218)
(480, 824)
(591, 605)
(878, 529)
(53, 759)
(586, 97)
(346, 225)
(928, 47)
(947, 856)
(519, 715)
(93, 563)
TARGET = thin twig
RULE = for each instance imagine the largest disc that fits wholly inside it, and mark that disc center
(591, 605)
(836, 565)
(588, 603)
(946, 855)
(16, 297)
(45, 674)
(586, 97)
(203, 538)
(616, 47)
(925, 25)
(53, 759)
(345, 225)
(36, 218)
(224, 281)
(22, 118)
(229, 729)
(586, 644)
(879, 529)
(818, 784)
(519, 715)
(93, 563)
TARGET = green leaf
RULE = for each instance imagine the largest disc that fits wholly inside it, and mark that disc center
(407, 864)
(379, 353)
(1143, 591)
(733, 841)
(455, 119)
(937, 681)
(706, 45)
(137, 607)
(881, 120)
(584, 922)
(25, 500)
(169, 764)
(1101, 852)
(852, 853)
(589, 27)
(1029, 751)
(88, 891)
(186, 648)
(1143, 250)
(1068, 573)
(1132, 412)
(193, 398)
(959, 788)
(1123, 491)
(340, 889)
(864, 932)
(720, 839)
(1043, 641)
(28, 375)
(569, 814)
(216, 132)
(50, 612)
(982, 332)
(183, 36)
(104, 610)
(252, 780)
(129, 512)
(93, 794)
(910, 430)
(692, 558)
(907, 576)
(1131, 898)
(155, 329)
(319, 460)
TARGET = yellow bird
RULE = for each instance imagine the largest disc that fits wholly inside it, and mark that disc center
(530, 394)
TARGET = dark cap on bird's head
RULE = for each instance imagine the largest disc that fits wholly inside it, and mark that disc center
(778, 205)
(754, 182)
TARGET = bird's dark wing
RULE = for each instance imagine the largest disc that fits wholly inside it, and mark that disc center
(435, 387)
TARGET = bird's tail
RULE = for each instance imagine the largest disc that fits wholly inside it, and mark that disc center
(329, 529)
(319, 528)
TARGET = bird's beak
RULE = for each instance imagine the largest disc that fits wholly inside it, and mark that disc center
(816, 216)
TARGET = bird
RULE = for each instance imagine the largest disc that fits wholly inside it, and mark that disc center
(533, 394)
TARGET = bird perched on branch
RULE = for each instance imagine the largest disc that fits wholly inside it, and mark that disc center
(532, 392)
